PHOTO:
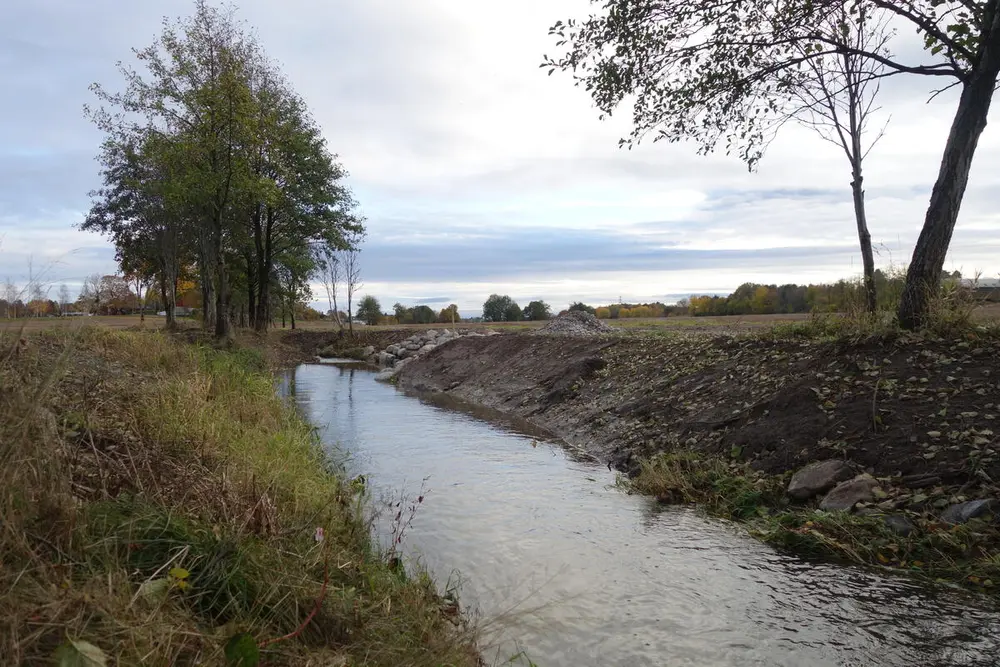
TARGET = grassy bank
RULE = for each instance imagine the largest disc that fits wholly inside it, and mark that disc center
(159, 505)
(966, 554)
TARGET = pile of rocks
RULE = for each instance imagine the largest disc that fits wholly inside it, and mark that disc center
(576, 323)
(844, 490)
(394, 357)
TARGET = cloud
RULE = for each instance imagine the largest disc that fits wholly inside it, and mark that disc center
(479, 173)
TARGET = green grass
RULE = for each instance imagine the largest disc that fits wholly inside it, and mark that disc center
(967, 554)
(158, 498)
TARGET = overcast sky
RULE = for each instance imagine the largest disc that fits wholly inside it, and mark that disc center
(478, 173)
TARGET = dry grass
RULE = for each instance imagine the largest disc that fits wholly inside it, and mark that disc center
(157, 498)
(983, 313)
(967, 554)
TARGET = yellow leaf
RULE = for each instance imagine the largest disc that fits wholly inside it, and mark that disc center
(882, 559)
(917, 563)
(181, 584)
(179, 573)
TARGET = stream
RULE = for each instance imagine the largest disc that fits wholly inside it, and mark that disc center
(563, 566)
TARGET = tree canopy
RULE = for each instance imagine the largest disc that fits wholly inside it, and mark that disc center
(369, 310)
(211, 161)
(499, 308)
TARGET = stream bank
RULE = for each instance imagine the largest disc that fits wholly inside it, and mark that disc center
(162, 505)
(911, 418)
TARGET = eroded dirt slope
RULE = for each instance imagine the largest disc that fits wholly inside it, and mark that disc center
(909, 407)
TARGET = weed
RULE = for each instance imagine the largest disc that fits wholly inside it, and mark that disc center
(161, 505)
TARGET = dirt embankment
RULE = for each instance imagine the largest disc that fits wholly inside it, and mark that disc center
(923, 411)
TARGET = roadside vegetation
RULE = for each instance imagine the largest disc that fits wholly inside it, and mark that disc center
(161, 505)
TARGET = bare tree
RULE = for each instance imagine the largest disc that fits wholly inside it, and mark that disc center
(837, 97)
(90, 294)
(11, 293)
(352, 276)
(63, 298)
(331, 272)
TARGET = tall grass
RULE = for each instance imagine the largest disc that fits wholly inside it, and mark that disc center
(158, 500)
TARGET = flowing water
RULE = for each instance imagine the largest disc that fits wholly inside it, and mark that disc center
(581, 574)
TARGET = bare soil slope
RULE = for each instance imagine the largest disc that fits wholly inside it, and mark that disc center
(920, 409)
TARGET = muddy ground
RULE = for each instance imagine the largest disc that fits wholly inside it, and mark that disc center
(921, 410)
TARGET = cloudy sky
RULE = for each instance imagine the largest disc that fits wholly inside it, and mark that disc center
(478, 173)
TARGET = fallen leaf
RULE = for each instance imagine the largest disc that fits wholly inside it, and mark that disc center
(78, 653)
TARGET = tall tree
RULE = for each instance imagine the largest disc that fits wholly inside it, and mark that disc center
(369, 310)
(723, 72)
(63, 298)
(211, 159)
(352, 276)
(838, 99)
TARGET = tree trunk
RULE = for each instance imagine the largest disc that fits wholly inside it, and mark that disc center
(170, 297)
(222, 325)
(924, 274)
(262, 243)
(291, 314)
(867, 257)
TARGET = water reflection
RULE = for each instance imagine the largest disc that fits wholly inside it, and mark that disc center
(594, 577)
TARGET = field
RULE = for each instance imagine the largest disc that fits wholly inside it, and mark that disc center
(986, 312)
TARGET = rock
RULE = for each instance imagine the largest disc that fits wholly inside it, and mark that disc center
(431, 333)
(847, 494)
(385, 376)
(393, 350)
(427, 348)
(406, 353)
(368, 351)
(575, 323)
(899, 524)
(386, 359)
(413, 346)
(972, 509)
(817, 478)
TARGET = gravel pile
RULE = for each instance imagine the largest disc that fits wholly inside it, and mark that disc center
(576, 323)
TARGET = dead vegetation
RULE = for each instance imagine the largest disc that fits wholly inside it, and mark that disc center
(160, 505)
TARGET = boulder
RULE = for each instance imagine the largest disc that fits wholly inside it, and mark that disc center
(899, 524)
(368, 351)
(847, 494)
(386, 375)
(393, 350)
(406, 353)
(386, 359)
(413, 345)
(817, 478)
(426, 348)
(972, 509)
(431, 333)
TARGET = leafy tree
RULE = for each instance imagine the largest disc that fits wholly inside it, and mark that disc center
(513, 313)
(725, 72)
(581, 307)
(369, 310)
(402, 314)
(537, 310)
(422, 315)
(211, 159)
(449, 314)
(498, 308)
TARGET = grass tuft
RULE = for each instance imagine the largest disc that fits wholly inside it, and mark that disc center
(965, 554)
(158, 499)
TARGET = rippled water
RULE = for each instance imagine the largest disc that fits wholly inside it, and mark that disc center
(585, 575)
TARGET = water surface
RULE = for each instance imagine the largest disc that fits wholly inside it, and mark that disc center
(585, 575)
